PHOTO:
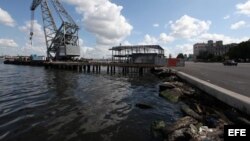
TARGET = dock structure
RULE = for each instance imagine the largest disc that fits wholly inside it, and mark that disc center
(138, 59)
(96, 67)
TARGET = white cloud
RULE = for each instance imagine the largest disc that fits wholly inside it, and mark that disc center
(6, 19)
(104, 19)
(81, 42)
(174, 51)
(168, 24)
(87, 52)
(186, 48)
(187, 27)
(215, 37)
(149, 40)
(15, 49)
(8, 43)
(38, 32)
(243, 8)
(27, 50)
(126, 43)
(38, 47)
(238, 25)
(156, 25)
(226, 17)
(162, 39)
(96, 52)
(38, 41)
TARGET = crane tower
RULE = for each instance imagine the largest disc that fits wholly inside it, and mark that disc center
(62, 41)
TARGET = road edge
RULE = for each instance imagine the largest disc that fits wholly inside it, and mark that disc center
(231, 98)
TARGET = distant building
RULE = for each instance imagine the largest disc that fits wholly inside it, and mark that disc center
(198, 48)
(139, 54)
(216, 48)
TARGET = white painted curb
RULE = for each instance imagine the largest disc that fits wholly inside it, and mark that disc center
(231, 98)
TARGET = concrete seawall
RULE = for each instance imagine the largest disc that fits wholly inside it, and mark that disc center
(231, 98)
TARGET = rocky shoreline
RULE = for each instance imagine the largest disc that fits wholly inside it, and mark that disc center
(203, 118)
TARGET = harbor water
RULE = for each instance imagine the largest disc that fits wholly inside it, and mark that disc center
(56, 105)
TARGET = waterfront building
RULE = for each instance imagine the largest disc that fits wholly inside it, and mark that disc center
(216, 48)
(139, 54)
(198, 48)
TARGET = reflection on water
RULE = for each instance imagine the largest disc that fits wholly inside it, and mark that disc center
(39, 104)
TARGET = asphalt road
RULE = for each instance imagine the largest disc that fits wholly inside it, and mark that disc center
(234, 78)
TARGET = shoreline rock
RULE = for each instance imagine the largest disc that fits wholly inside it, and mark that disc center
(181, 123)
(172, 95)
(166, 85)
(189, 112)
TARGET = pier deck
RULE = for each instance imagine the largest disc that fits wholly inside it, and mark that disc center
(96, 67)
(111, 67)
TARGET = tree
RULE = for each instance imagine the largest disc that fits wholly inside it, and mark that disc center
(180, 55)
(241, 51)
(206, 56)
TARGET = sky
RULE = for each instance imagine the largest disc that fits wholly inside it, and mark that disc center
(175, 25)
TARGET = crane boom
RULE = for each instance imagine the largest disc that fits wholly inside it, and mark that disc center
(63, 14)
(34, 4)
(63, 42)
(49, 27)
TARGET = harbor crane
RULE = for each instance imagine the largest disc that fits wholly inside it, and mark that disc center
(62, 41)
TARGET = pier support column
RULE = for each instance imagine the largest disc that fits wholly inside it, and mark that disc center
(123, 70)
(111, 69)
(96, 68)
(140, 71)
(107, 69)
(88, 68)
(84, 68)
(78, 68)
(81, 68)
